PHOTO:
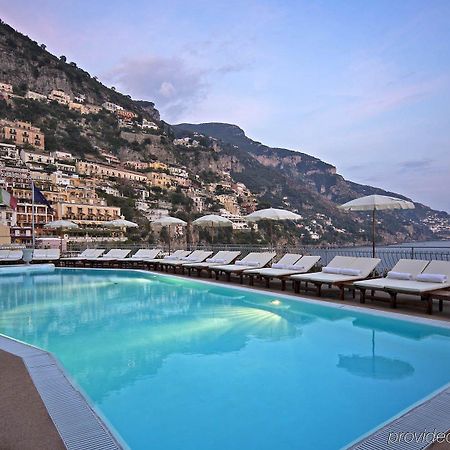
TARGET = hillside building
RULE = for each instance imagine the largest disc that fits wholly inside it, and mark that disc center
(111, 107)
(148, 125)
(31, 95)
(5, 87)
(59, 96)
(126, 115)
(103, 171)
(21, 133)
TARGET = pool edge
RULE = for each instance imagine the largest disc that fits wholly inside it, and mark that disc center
(430, 415)
(78, 425)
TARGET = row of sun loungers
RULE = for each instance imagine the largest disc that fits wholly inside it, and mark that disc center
(39, 255)
(428, 279)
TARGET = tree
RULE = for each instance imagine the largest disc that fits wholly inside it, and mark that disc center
(63, 59)
(43, 46)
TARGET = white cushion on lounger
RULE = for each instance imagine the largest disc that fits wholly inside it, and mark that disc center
(216, 260)
(432, 278)
(399, 275)
(248, 263)
(350, 272)
(335, 270)
(280, 266)
(296, 267)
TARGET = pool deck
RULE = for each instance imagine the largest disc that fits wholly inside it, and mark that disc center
(24, 420)
(34, 410)
(40, 408)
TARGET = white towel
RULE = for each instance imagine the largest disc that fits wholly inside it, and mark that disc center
(399, 275)
(248, 263)
(342, 271)
(350, 272)
(335, 270)
(279, 266)
(252, 263)
(432, 277)
(295, 267)
(170, 257)
(215, 260)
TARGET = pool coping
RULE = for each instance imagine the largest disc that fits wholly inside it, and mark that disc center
(410, 420)
(78, 425)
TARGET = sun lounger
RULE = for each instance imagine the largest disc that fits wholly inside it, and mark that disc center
(221, 258)
(405, 269)
(10, 256)
(142, 255)
(88, 254)
(251, 261)
(197, 256)
(46, 254)
(435, 277)
(339, 272)
(175, 256)
(282, 270)
(111, 257)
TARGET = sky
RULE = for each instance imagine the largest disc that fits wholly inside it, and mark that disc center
(363, 85)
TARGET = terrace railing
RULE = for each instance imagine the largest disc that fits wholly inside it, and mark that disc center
(389, 255)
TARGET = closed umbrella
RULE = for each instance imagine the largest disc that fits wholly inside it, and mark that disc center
(168, 221)
(376, 203)
(272, 214)
(212, 221)
(61, 225)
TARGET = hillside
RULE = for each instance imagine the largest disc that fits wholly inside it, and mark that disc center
(312, 186)
(215, 159)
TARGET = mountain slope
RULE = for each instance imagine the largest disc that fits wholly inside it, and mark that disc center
(311, 185)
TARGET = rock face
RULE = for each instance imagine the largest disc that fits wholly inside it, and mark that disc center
(313, 187)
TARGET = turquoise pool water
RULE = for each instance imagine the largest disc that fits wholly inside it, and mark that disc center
(176, 364)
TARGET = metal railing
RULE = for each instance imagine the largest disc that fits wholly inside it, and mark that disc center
(389, 255)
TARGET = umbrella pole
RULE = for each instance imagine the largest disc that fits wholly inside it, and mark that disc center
(271, 234)
(168, 233)
(373, 233)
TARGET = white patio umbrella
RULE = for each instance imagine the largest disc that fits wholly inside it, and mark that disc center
(376, 203)
(272, 214)
(168, 221)
(120, 223)
(61, 225)
(212, 221)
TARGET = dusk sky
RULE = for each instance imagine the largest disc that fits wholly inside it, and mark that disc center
(362, 85)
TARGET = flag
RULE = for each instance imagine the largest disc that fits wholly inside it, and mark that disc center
(23, 156)
(39, 197)
(8, 199)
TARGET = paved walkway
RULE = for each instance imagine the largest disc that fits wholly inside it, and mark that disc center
(24, 421)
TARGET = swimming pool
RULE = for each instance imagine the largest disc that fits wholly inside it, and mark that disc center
(174, 363)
